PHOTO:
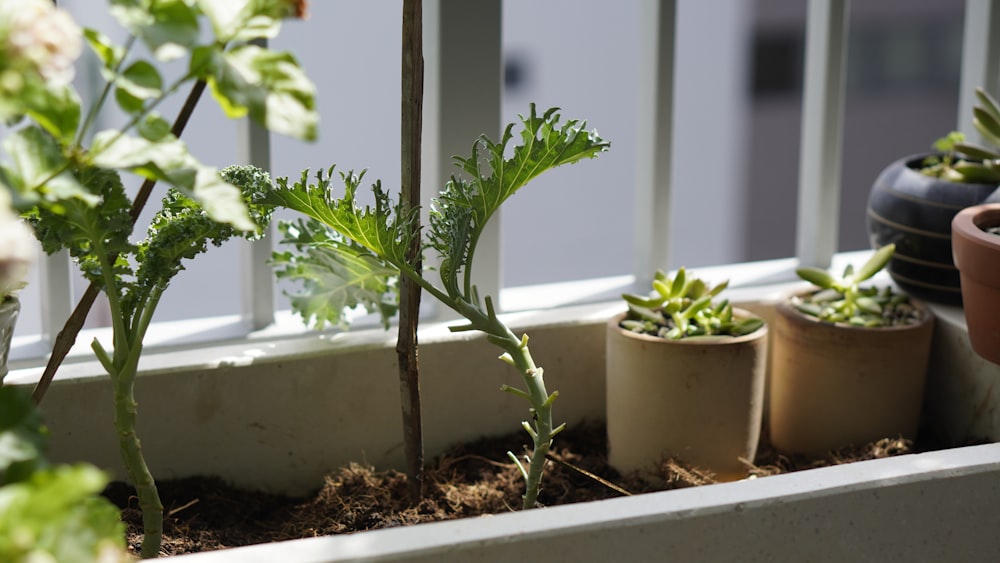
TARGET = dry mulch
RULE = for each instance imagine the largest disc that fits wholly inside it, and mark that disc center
(204, 513)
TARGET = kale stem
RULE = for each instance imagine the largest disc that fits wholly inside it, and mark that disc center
(131, 451)
(541, 408)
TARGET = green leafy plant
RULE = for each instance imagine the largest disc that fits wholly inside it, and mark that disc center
(72, 192)
(965, 162)
(682, 307)
(843, 300)
(49, 513)
(347, 255)
(134, 277)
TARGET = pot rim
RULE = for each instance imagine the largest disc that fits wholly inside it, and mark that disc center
(784, 307)
(970, 222)
(715, 340)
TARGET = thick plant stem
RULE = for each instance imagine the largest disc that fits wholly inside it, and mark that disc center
(135, 464)
(541, 428)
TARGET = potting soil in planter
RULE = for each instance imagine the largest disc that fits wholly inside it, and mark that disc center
(203, 513)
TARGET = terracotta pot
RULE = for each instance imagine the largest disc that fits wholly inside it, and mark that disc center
(977, 256)
(914, 211)
(699, 399)
(9, 309)
(833, 385)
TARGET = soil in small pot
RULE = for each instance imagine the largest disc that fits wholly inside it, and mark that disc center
(204, 513)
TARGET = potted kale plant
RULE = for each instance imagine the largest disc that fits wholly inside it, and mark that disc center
(976, 242)
(848, 363)
(685, 378)
(349, 256)
(913, 200)
(66, 178)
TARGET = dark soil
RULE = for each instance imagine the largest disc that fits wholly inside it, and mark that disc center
(204, 513)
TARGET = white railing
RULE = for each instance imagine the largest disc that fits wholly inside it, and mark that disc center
(463, 98)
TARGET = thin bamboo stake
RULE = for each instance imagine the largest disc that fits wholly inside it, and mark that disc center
(411, 119)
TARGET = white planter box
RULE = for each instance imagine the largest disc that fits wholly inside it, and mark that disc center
(279, 415)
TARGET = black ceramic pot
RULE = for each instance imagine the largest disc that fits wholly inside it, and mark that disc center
(914, 211)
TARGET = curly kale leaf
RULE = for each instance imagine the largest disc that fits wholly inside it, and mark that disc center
(88, 231)
(347, 256)
(337, 275)
(463, 208)
(182, 229)
(382, 228)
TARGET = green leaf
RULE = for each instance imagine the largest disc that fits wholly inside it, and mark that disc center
(747, 326)
(380, 229)
(697, 288)
(139, 82)
(153, 127)
(816, 276)
(875, 264)
(717, 290)
(679, 285)
(987, 125)
(56, 109)
(168, 27)
(23, 437)
(462, 210)
(220, 199)
(947, 143)
(336, 276)
(663, 289)
(110, 54)
(268, 85)
(975, 173)
(58, 515)
(976, 152)
(168, 159)
(39, 168)
(989, 105)
(640, 301)
(85, 229)
(869, 305)
(181, 230)
(243, 20)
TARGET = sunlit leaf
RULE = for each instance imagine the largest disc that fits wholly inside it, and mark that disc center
(269, 86)
(336, 276)
(819, 278)
(38, 167)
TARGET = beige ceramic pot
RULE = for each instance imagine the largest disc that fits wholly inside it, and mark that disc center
(834, 386)
(699, 400)
(977, 257)
(9, 308)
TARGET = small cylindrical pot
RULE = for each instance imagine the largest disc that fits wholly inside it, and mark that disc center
(699, 400)
(914, 212)
(977, 256)
(9, 309)
(834, 386)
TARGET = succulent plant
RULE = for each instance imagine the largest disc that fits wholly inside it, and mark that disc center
(682, 307)
(965, 162)
(843, 300)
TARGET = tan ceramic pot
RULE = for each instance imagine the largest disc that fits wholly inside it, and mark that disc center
(977, 257)
(699, 400)
(10, 306)
(834, 386)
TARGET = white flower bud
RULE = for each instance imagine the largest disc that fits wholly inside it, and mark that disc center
(45, 36)
(18, 248)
